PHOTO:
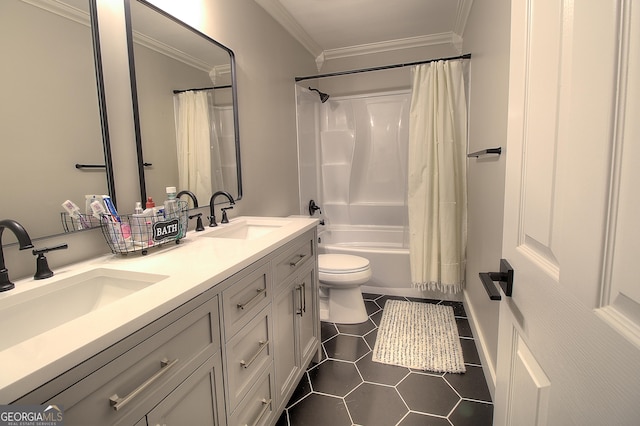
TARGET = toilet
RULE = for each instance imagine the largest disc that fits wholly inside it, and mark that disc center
(340, 277)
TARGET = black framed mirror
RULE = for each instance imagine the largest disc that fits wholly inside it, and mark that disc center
(52, 112)
(185, 107)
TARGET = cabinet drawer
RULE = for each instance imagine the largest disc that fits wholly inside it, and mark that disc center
(247, 354)
(126, 388)
(195, 401)
(293, 257)
(257, 407)
(245, 298)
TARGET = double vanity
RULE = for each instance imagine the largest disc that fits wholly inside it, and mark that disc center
(216, 330)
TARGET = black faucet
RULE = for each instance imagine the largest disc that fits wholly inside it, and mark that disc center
(212, 218)
(193, 197)
(23, 240)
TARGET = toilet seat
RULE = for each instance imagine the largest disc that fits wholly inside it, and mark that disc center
(340, 276)
(343, 270)
(341, 264)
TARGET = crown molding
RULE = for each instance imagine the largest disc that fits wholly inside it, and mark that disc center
(464, 8)
(172, 52)
(62, 9)
(453, 38)
(386, 46)
(280, 14)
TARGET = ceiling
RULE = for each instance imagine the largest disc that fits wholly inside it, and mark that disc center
(339, 28)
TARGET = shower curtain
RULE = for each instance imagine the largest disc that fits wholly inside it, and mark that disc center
(195, 137)
(437, 195)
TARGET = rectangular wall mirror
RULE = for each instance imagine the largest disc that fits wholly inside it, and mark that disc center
(185, 107)
(50, 113)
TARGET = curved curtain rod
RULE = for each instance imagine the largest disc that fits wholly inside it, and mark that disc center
(384, 67)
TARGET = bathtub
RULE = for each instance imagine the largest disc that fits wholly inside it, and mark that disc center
(387, 248)
(384, 246)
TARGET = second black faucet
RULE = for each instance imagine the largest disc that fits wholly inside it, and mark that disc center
(212, 217)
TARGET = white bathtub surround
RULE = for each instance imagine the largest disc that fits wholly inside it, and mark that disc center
(353, 155)
(437, 196)
(386, 248)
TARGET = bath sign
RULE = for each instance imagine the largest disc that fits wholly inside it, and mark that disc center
(164, 230)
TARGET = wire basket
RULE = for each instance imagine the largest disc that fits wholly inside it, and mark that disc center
(79, 222)
(137, 232)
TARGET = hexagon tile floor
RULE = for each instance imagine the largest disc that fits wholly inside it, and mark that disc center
(347, 388)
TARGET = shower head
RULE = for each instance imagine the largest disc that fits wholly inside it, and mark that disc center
(323, 96)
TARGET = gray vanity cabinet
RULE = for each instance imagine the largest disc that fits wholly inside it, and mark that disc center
(160, 371)
(231, 356)
(296, 323)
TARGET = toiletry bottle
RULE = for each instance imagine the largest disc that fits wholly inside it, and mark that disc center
(157, 213)
(150, 204)
(172, 211)
(140, 226)
(170, 204)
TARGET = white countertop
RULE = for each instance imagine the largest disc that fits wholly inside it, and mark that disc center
(191, 267)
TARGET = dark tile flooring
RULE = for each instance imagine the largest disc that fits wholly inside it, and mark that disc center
(347, 388)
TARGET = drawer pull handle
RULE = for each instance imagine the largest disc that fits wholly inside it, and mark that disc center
(300, 299)
(263, 344)
(266, 403)
(119, 403)
(304, 297)
(245, 304)
(295, 263)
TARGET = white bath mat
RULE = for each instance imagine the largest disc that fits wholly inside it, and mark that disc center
(418, 335)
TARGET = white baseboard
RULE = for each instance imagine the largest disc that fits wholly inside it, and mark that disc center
(488, 367)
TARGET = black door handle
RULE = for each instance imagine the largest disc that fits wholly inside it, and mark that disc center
(504, 278)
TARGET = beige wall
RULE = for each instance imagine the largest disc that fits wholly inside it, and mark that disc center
(487, 37)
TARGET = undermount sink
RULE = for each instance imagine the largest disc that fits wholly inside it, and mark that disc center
(33, 312)
(247, 229)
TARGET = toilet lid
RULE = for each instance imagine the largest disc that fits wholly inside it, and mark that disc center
(341, 263)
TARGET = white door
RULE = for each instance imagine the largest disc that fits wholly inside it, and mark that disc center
(569, 340)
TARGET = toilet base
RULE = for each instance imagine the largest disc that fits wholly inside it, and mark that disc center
(343, 306)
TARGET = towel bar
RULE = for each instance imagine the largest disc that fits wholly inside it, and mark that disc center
(487, 151)
(101, 166)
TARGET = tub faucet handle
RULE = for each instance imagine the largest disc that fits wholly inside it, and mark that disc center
(313, 207)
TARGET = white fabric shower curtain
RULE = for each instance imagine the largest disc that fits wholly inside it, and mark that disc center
(194, 141)
(437, 194)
